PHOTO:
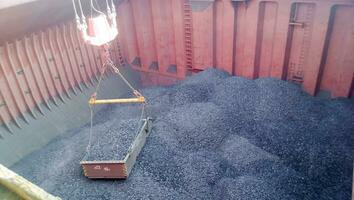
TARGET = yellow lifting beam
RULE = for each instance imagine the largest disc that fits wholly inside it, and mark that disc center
(94, 101)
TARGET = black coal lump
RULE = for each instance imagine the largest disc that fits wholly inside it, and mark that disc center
(198, 125)
(191, 93)
(243, 156)
(248, 188)
(166, 133)
(157, 101)
(210, 75)
(237, 96)
(112, 139)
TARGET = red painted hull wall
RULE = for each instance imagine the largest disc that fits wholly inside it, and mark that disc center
(308, 42)
(45, 68)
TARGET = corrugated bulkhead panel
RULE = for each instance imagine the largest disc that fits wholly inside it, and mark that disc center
(306, 42)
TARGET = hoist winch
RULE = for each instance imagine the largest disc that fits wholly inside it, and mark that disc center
(102, 29)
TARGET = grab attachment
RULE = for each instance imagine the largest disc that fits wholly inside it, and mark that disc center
(116, 169)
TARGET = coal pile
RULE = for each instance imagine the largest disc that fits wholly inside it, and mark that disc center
(202, 128)
(214, 136)
(245, 157)
(191, 93)
(249, 188)
(112, 139)
(158, 101)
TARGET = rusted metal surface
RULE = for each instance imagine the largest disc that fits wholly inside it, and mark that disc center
(105, 169)
(306, 42)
